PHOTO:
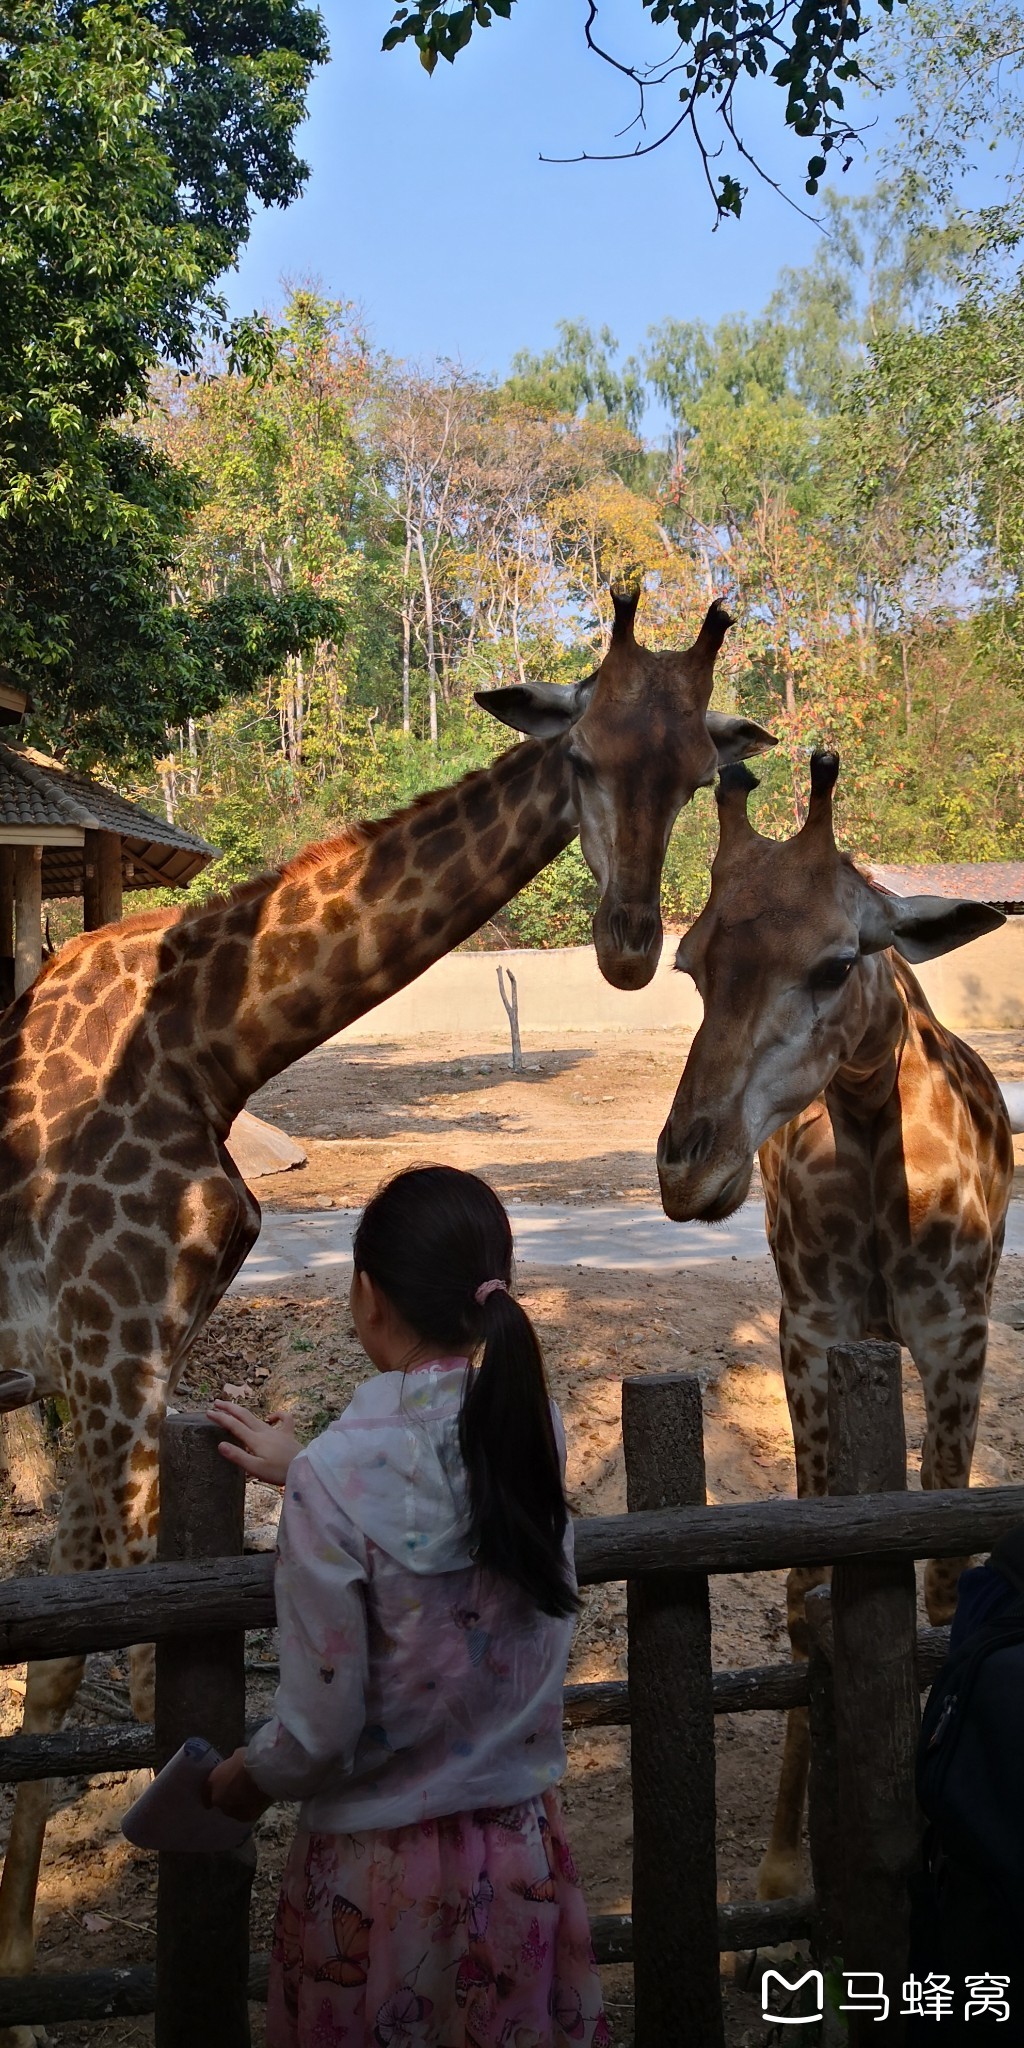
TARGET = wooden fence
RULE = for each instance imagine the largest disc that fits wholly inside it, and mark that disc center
(861, 1687)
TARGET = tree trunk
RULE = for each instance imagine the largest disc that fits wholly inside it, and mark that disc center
(406, 666)
(165, 770)
(428, 621)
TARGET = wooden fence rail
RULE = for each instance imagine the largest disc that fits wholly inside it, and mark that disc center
(757, 1689)
(73, 1614)
(62, 1996)
(196, 1610)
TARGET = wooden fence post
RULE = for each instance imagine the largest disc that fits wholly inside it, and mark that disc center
(823, 1829)
(202, 1957)
(675, 1918)
(877, 1708)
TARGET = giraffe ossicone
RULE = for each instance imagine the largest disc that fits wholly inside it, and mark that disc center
(884, 1145)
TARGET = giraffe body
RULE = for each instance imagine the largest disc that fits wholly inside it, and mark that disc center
(885, 1151)
(122, 1216)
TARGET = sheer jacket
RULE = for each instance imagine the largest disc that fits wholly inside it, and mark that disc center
(412, 1685)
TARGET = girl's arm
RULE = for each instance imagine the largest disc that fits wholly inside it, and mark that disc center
(319, 1707)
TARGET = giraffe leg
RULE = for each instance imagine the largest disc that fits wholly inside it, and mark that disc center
(50, 1690)
(805, 1371)
(124, 1470)
(951, 1369)
(109, 1516)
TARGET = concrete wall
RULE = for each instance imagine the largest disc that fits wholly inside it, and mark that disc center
(981, 987)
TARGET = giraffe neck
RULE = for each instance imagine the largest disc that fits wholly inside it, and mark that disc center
(867, 1076)
(300, 954)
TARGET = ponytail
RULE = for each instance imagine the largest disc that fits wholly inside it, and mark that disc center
(435, 1241)
(507, 1437)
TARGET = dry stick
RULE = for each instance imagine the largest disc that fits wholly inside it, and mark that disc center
(877, 1705)
(511, 1003)
(675, 1919)
(202, 1952)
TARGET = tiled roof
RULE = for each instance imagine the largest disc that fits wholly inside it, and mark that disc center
(35, 791)
(985, 881)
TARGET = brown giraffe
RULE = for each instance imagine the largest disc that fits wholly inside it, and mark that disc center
(884, 1146)
(122, 1216)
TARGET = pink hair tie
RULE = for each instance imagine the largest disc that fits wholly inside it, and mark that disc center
(489, 1287)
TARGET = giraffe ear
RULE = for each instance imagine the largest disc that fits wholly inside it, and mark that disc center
(737, 738)
(541, 709)
(924, 927)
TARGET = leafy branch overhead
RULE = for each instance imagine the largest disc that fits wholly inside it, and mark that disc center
(135, 144)
(809, 48)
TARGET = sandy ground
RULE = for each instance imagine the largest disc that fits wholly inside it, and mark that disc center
(580, 1125)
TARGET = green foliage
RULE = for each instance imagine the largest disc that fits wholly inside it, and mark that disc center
(579, 376)
(133, 145)
(555, 909)
(809, 48)
(846, 467)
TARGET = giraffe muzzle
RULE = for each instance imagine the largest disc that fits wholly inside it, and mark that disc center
(628, 939)
(695, 1186)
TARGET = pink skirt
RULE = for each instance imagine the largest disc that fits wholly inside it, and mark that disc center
(466, 1932)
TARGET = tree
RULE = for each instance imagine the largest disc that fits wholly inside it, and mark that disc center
(579, 377)
(271, 561)
(426, 425)
(132, 147)
(809, 48)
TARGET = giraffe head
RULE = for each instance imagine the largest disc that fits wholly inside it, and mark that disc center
(784, 954)
(640, 740)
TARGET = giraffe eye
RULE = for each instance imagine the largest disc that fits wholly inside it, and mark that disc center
(833, 972)
(583, 768)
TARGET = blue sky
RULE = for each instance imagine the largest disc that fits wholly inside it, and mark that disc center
(428, 206)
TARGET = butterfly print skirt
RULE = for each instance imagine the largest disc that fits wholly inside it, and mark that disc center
(466, 1932)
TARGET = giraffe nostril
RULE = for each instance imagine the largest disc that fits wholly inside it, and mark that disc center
(696, 1144)
(632, 929)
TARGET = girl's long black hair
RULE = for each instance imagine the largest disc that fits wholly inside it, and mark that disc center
(429, 1239)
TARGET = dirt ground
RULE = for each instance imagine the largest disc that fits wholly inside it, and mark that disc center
(579, 1126)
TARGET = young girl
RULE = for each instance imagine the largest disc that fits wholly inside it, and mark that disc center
(425, 1600)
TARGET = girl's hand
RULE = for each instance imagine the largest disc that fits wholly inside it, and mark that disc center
(232, 1791)
(264, 1449)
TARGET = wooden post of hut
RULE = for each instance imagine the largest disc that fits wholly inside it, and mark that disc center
(6, 923)
(103, 886)
(65, 835)
(28, 915)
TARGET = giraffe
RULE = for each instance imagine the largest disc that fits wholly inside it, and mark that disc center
(123, 1217)
(884, 1146)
